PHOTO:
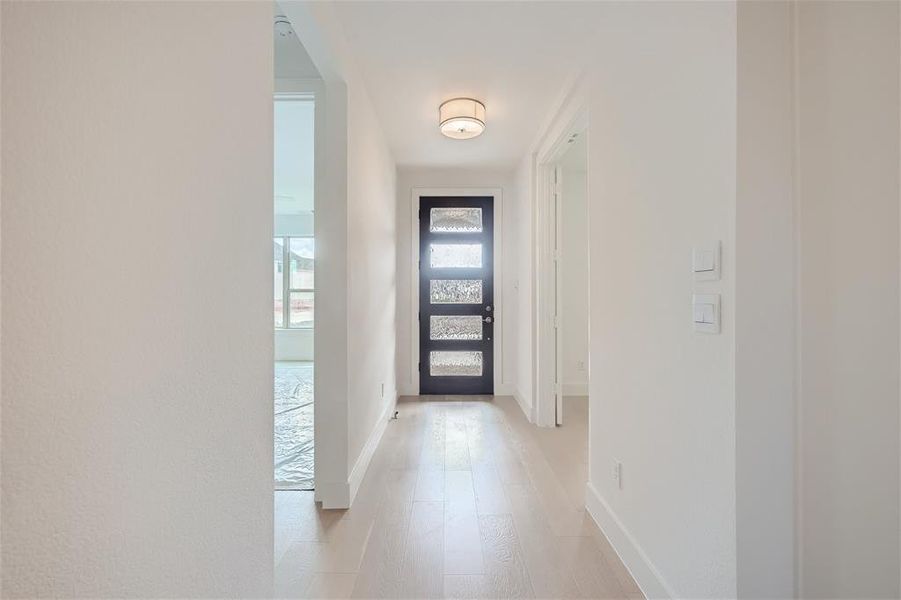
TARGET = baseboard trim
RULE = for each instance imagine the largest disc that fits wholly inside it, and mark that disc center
(333, 495)
(504, 389)
(575, 389)
(525, 408)
(407, 390)
(643, 571)
(362, 464)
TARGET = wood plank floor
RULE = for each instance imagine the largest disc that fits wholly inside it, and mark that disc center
(463, 499)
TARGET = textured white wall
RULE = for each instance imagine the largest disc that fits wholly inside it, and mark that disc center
(137, 293)
(849, 298)
(662, 179)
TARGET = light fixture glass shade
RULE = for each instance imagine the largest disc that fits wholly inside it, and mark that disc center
(461, 118)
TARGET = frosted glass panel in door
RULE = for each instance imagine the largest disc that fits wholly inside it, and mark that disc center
(455, 220)
(455, 256)
(455, 364)
(455, 327)
(455, 291)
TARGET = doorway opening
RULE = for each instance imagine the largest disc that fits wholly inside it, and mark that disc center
(573, 280)
(455, 304)
(563, 342)
(456, 295)
(293, 291)
(293, 274)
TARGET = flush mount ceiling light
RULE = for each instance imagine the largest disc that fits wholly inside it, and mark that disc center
(461, 118)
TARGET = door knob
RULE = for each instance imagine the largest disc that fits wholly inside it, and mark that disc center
(488, 319)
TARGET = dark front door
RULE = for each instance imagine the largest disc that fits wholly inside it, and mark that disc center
(456, 295)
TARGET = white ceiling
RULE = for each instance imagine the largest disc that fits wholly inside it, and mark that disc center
(291, 60)
(516, 57)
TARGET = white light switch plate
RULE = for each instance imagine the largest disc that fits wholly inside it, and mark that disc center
(705, 312)
(705, 261)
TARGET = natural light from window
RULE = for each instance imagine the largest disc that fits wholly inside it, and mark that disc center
(293, 246)
(293, 286)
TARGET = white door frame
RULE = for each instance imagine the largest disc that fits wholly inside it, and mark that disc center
(498, 202)
(549, 283)
(324, 424)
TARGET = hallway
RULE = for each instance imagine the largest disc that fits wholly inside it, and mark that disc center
(463, 499)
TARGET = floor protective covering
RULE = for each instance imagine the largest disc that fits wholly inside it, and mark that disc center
(293, 426)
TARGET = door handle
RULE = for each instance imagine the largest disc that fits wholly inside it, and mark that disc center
(489, 320)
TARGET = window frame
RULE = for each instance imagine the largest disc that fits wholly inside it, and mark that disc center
(286, 281)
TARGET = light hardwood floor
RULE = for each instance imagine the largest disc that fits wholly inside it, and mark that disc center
(463, 499)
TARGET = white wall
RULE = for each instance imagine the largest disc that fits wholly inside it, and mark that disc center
(765, 323)
(849, 298)
(524, 321)
(137, 299)
(294, 164)
(355, 324)
(413, 177)
(770, 451)
(372, 279)
(662, 147)
(575, 300)
(294, 344)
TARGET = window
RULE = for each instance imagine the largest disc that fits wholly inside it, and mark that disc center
(293, 279)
